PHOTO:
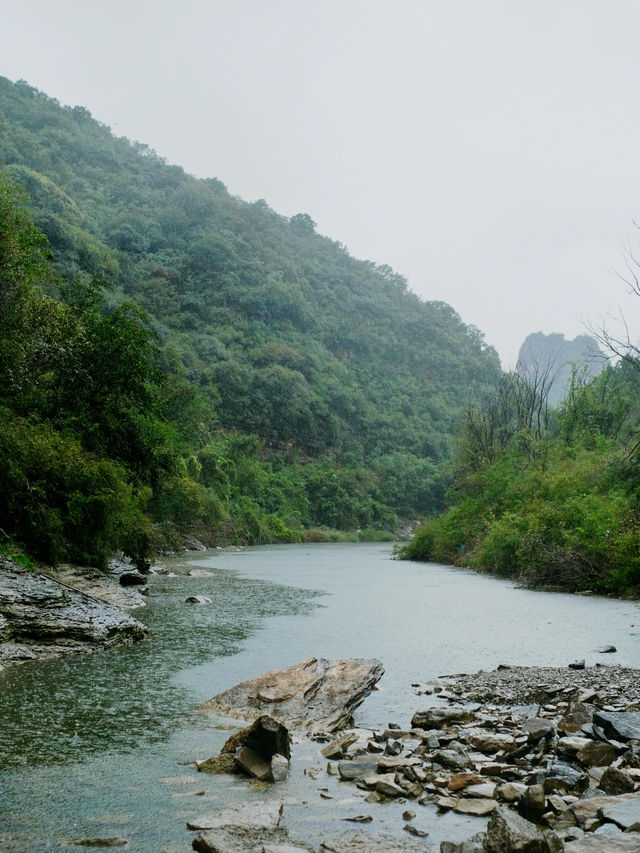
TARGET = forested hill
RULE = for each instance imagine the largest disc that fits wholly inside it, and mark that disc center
(350, 382)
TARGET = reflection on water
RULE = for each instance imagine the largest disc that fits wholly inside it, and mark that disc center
(61, 710)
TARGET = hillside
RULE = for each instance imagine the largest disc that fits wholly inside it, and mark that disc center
(299, 386)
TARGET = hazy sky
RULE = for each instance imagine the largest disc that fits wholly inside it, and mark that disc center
(488, 150)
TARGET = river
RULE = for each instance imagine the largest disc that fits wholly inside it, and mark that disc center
(102, 745)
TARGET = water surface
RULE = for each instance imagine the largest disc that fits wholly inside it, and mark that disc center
(102, 745)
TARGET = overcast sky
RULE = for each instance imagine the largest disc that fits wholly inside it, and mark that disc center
(488, 150)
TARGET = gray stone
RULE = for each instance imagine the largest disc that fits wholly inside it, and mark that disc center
(42, 617)
(508, 832)
(451, 759)
(279, 768)
(242, 839)
(592, 807)
(252, 764)
(438, 718)
(357, 768)
(265, 815)
(365, 842)
(621, 725)
(533, 803)
(563, 775)
(578, 716)
(338, 747)
(536, 727)
(311, 695)
(593, 843)
(624, 811)
(596, 754)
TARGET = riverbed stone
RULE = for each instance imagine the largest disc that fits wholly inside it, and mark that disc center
(508, 832)
(438, 718)
(596, 754)
(242, 839)
(533, 803)
(279, 768)
(265, 736)
(536, 727)
(616, 781)
(369, 842)
(580, 714)
(263, 815)
(489, 742)
(595, 843)
(315, 694)
(338, 747)
(357, 768)
(462, 780)
(621, 725)
(623, 811)
(253, 764)
(477, 806)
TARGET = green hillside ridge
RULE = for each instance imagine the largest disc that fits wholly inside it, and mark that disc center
(239, 376)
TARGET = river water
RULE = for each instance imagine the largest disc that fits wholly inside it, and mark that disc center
(102, 745)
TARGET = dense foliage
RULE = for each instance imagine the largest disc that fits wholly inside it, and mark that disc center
(182, 361)
(551, 497)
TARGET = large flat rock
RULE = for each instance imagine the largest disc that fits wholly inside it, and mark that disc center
(368, 842)
(622, 843)
(40, 616)
(311, 695)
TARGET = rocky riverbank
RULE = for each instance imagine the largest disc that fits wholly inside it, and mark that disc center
(546, 759)
(78, 610)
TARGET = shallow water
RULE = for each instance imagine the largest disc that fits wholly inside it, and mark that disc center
(102, 745)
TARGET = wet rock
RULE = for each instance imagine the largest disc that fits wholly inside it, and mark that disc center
(508, 832)
(224, 763)
(252, 764)
(265, 736)
(242, 839)
(95, 842)
(314, 694)
(265, 815)
(41, 617)
(607, 650)
(198, 599)
(621, 725)
(616, 781)
(357, 768)
(577, 664)
(365, 842)
(438, 718)
(131, 577)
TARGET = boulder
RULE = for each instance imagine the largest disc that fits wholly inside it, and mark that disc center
(508, 832)
(620, 725)
(596, 754)
(438, 718)
(623, 811)
(365, 842)
(40, 616)
(252, 764)
(593, 807)
(242, 839)
(591, 843)
(265, 736)
(533, 803)
(265, 815)
(311, 695)
(616, 781)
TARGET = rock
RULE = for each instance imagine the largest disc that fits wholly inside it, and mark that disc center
(510, 791)
(224, 763)
(508, 832)
(622, 843)
(279, 768)
(314, 694)
(469, 846)
(563, 775)
(386, 785)
(592, 807)
(621, 725)
(462, 780)
(616, 781)
(489, 742)
(338, 747)
(577, 664)
(253, 764)
(408, 814)
(536, 727)
(265, 736)
(485, 790)
(41, 617)
(572, 743)
(451, 759)
(623, 811)
(413, 830)
(94, 842)
(198, 599)
(596, 754)
(365, 842)
(579, 714)
(398, 762)
(533, 803)
(357, 768)
(265, 815)
(359, 818)
(607, 650)
(239, 839)
(132, 578)
(438, 718)
(285, 848)
(480, 807)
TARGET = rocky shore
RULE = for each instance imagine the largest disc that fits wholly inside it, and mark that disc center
(78, 610)
(546, 759)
